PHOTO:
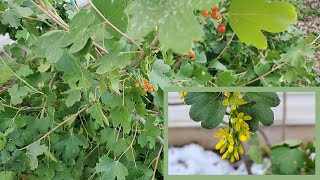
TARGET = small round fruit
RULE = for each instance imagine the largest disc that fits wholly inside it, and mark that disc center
(145, 81)
(148, 86)
(204, 13)
(151, 90)
(215, 8)
(136, 84)
(145, 90)
(215, 15)
(191, 54)
(221, 28)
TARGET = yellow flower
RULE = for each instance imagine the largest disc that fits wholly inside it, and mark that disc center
(240, 120)
(233, 99)
(182, 94)
(240, 149)
(225, 137)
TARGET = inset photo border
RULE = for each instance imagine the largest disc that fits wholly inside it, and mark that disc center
(234, 132)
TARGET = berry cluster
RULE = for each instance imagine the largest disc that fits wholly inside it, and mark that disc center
(237, 130)
(215, 14)
(146, 88)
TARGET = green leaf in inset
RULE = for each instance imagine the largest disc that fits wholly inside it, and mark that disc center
(260, 110)
(285, 160)
(157, 75)
(206, 108)
(269, 98)
(174, 20)
(225, 78)
(254, 151)
(18, 93)
(111, 169)
(96, 112)
(249, 18)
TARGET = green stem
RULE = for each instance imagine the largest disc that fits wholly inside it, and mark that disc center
(25, 82)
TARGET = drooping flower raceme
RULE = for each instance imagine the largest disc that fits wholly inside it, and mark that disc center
(237, 130)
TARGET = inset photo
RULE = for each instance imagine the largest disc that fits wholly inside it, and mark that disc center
(241, 133)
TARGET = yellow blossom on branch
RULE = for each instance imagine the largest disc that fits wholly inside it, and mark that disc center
(233, 99)
(240, 120)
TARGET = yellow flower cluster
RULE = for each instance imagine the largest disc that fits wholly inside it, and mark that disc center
(237, 130)
(233, 99)
(182, 94)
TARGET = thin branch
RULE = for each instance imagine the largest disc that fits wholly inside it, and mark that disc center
(315, 40)
(157, 161)
(264, 136)
(92, 176)
(227, 45)
(60, 22)
(75, 5)
(247, 163)
(115, 28)
(25, 108)
(54, 77)
(60, 124)
(91, 151)
(130, 146)
(264, 75)
(22, 80)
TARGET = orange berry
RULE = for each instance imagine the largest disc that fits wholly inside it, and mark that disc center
(136, 84)
(151, 90)
(215, 15)
(191, 54)
(221, 28)
(149, 86)
(204, 13)
(215, 8)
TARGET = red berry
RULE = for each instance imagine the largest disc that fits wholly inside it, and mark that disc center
(215, 8)
(136, 84)
(148, 86)
(145, 82)
(221, 28)
(204, 13)
(215, 15)
(191, 54)
(151, 90)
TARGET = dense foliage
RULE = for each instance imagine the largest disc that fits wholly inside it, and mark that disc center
(82, 89)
